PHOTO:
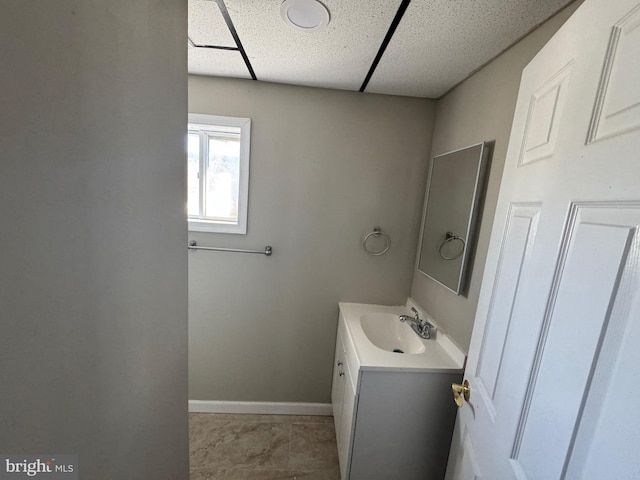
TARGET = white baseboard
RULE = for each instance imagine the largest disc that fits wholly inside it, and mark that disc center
(264, 408)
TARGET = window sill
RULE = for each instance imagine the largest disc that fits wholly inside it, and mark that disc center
(216, 227)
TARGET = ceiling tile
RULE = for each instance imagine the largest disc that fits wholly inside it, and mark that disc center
(220, 63)
(207, 26)
(440, 42)
(337, 57)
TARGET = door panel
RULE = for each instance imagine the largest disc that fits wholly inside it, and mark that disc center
(543, 119)
(593, 260)
(606, 430)
(514, 258)
(618, 101)
(465, 466)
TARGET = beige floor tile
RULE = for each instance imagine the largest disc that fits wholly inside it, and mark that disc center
(297, 418)
(313, 447)
(262, 447)
(242, 474)
(197, 418)
(239, 444)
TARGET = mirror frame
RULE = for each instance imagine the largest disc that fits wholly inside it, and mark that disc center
(474, 214)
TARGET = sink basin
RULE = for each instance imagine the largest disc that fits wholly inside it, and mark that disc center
(387, 332)
(373, 332)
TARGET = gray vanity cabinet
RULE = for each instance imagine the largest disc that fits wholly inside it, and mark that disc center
(390, 424)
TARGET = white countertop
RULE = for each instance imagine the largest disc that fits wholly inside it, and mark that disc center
(440, 355)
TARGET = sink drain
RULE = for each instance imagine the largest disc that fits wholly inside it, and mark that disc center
(397, 350)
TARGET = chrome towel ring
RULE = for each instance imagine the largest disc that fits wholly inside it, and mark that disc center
(450, 237)
(377, 232)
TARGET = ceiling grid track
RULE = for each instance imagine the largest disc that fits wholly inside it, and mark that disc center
(236, 38)
(392, 28)
(214, 47)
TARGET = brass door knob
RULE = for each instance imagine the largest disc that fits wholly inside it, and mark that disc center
(461, 393)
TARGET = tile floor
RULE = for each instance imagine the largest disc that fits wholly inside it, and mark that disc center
(262, 447)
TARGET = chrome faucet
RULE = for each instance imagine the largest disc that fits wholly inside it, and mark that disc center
(417, 324)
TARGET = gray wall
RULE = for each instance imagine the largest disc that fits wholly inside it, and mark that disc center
(326, 167)
(93, 265)
(479, 109)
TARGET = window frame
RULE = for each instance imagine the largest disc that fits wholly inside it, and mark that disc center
(218, 123)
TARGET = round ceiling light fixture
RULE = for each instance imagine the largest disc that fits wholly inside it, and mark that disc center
(308, 15)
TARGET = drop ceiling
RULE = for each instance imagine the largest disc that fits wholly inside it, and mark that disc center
(419, 48)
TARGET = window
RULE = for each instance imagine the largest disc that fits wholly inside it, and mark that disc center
(218, 173)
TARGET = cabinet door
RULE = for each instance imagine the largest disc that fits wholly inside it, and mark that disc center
(337, 388)
(346, 423)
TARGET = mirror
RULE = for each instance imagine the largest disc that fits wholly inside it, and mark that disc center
(454, 193)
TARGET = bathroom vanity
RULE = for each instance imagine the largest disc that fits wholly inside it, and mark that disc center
(394, 412)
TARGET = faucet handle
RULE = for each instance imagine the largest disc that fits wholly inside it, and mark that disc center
(415, 312)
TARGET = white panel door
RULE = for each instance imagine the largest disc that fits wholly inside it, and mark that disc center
(554, 361)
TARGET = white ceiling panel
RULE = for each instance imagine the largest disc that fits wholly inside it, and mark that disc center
(207, 26)
(439, 43)
(221, 63)
(338, 56)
